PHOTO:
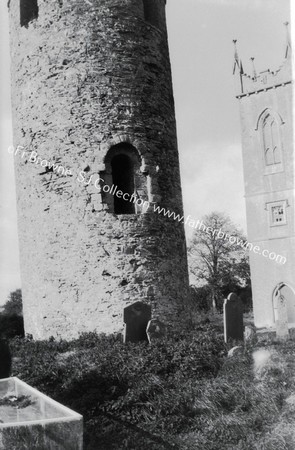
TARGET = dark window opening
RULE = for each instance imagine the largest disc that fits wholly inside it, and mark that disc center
(123, 178)
(28, 11)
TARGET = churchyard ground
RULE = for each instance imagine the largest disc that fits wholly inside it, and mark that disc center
(180, 392)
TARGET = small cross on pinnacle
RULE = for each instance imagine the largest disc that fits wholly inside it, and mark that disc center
(288, 40)
(236, 56)
(254, 70)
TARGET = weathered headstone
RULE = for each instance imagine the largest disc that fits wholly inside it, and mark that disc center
(281, 316)
(237, 350)
(155, 330)
(250, 336)
(136, 318)
(233, 318)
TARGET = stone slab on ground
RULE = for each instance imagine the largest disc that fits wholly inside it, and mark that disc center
(155, 330)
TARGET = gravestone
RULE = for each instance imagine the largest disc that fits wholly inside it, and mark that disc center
(155, 330)
(281, 316)
(250, 336)
(237, 350)
(233, 318)
(136, 318)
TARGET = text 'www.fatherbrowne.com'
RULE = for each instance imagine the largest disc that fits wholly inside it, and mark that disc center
(219, 233)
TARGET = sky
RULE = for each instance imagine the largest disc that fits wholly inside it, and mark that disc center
(207, 112)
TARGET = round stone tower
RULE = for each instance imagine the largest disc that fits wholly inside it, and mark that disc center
(96, 160)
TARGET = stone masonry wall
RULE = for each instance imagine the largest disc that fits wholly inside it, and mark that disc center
(263, 187)
(86, 76)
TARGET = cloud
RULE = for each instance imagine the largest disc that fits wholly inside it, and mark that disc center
(213, 181)
(248, 4)
(9, 282)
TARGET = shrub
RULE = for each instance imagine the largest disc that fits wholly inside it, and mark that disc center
(11, 320)
(201, 297)
(14, 305)
(11, 325)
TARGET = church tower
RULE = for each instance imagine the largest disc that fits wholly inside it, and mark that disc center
(95, 154)
(266, 101)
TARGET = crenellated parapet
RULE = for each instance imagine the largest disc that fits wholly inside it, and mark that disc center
(251, 82)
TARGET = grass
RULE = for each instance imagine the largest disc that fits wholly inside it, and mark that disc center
(179, 393)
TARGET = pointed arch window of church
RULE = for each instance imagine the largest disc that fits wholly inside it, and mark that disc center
(271, 140)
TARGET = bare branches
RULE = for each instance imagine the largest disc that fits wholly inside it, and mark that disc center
(215, 255)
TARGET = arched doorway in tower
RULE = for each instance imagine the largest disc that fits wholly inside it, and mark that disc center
(285, 294)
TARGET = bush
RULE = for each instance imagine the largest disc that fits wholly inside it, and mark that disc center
(201, 297)
(11, 319)
(11, 325)
(14, 305)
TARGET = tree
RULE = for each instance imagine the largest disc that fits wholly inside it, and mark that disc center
(217, 257)
(11, 317)
(14, 303)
